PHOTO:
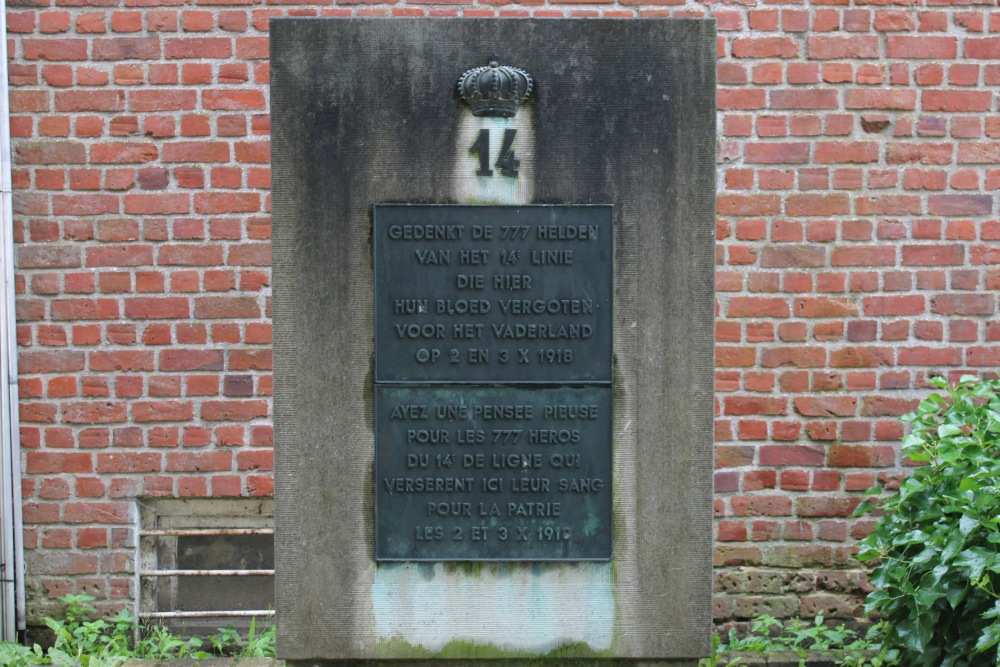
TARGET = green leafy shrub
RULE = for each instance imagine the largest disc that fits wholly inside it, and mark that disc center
(83, 642)
(939, 536)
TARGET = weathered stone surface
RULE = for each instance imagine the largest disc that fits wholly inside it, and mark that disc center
(365, 111)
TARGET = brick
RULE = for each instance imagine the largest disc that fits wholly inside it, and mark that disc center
(90, 100)
(754, 405)
(770, 505)
(933, 255)
(250, 254)
(21, 22)
(226, 307)
(982, 48)
(777, 153)
(66, 564)
(215, 461)
(126, 48)
(84, 309)
(888, 205)
(765, 47)
(861, 357)
(253, 151)
(956, 100)
(983, 356)
(250, 360)
(964, 304)
(758, 307)
(94, 412)
(792, 455)
(741, 205)
(174, 360)
(800, 356)
(929, 356)
(157, 308)
(232, 100)
(805, 99)
(810, 506)
(846, 151)
(823, 47)
(55, 49)
(960, 205)
(54, 152)
(233, 410)
(121, 360)
(252, 48)
(190, 254)
(825, 307)
(198, 47)
(744, 99)
(122, 153)
(788, 256)
(889, 100)
(798, 205)
(41, 463)
(922, 47)
(196, 151)
(162, 100)
(128, 462)
(157, 204)
(899, 152)
(162, 411)
(227, 202)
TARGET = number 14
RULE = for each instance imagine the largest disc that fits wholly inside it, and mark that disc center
(506, 161)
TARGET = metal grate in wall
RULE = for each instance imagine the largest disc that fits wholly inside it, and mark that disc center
(205, 563)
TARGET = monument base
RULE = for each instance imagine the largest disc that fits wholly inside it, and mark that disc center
(497, 662)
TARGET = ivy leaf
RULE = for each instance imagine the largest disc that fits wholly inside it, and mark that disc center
(948, 430)
(991, 636)
(967, 524)
(938, 536)
(968, 484)
(955, 592)
(915, 632)
(976, 560)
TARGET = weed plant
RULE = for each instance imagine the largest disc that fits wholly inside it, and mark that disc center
(805, 638)
(83, 642)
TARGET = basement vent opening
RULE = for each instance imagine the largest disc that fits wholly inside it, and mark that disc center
(206, 563)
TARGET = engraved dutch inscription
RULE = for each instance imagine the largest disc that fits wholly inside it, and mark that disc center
(493, 293)
(493, 396)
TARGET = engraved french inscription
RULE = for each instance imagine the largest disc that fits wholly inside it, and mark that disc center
(493, 293)
(493, 473)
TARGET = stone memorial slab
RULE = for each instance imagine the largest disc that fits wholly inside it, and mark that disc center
(384, 447)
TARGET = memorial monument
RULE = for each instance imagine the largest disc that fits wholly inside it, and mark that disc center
(493, 305)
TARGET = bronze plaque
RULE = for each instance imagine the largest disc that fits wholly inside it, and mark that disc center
(493, 400)
(493, 293)
(493, 473)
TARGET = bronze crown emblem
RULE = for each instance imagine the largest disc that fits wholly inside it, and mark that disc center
(494, 89)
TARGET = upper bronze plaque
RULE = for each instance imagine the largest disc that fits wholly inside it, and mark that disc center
(490, 294)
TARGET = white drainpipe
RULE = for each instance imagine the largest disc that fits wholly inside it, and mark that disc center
(11, 542)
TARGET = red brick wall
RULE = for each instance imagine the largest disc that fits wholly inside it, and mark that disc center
(859, 160)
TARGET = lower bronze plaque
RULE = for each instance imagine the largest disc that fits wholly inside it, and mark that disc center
(493, 473)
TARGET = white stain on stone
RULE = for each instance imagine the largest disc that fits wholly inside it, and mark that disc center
(533, 608)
